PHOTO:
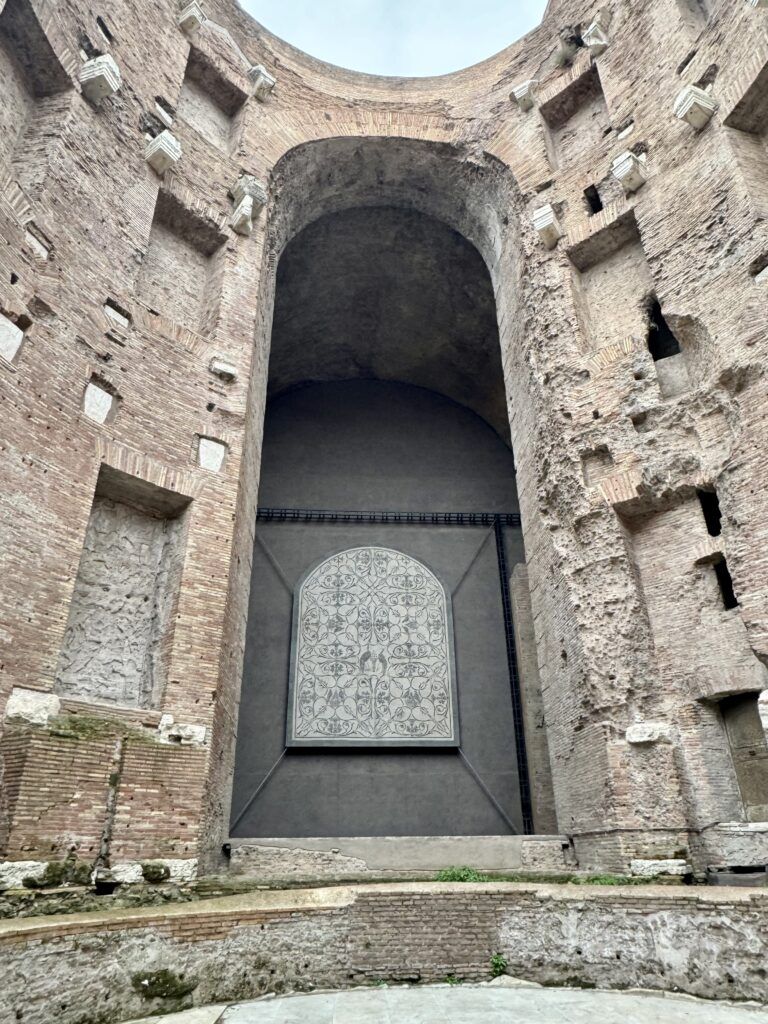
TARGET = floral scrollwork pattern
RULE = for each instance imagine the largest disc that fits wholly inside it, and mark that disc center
(372, 654)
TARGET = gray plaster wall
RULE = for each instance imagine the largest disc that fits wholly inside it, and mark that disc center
(121, 606)
(371, 445)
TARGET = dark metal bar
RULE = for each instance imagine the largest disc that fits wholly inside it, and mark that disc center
(514, 681)
(301, 515)
(259, 788)
(496, 805)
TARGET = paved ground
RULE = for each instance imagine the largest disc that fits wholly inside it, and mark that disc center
(469, 1004)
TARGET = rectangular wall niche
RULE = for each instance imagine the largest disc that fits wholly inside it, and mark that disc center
(33, 82)
(178, 276)
(119, 631)
(611, 282)
(577, 119)
(209, 103)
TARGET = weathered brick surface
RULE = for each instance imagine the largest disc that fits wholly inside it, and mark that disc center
(78, 967)
(607, 461)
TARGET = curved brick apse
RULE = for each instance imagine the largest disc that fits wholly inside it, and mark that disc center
(600, 192)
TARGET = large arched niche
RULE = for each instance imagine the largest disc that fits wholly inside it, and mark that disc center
(470, 197)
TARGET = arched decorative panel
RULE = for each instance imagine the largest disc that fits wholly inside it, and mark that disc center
(372, 654)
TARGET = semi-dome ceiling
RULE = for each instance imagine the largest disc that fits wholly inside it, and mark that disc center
(388, 294)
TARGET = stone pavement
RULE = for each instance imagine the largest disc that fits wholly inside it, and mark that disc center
(503, 1002)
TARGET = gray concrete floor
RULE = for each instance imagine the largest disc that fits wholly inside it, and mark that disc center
(475, 1004)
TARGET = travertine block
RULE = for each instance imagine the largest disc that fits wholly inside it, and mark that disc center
(11, 337)
(649, 732)
(247, 185)
(222, 368)
(13, 872)
(32, 706)
(97, 403)
(650, 868)
(211, 454)
(524, 94)
(596, 38)
(100, 78)
(547, 226)
(242, 218)
(176, 732)
(163, 152)
(630, 170)
(263, 82)
(191, 17)
(695, 106)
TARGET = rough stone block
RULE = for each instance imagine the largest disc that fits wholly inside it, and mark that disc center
(547, 226)
(524, 94)
(649, 732)
(192, 17)
(11, 338)
(242, 218)
(211, 454)
(651, 868)
(13, 872)
(32, 706)
(222, 368)
(758, 3)
(100, 78)
(247, 185)
(263, 82)
(98, 404)
(629, 170)
(695, 106)
(163, 152)
(175, 732)
(127, 873)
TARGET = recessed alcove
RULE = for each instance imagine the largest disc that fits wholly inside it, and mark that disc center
(208, 102)
(749, 750)
(177, 278)
(610, 283)
(386, 396)
(120, 625)
(33, 82)
(577, 118)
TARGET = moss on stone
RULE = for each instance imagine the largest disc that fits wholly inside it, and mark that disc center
(60, 872)
(163, 984)
(155, 872)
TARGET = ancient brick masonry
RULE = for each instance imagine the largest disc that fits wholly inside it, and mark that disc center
(611, 168)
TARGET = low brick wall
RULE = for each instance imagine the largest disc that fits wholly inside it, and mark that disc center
(106, 967)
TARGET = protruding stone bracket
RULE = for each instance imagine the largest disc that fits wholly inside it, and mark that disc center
(100, 78)
(242, 218)
(630, 171)
(547, 226)
(163, 152)
(223, 368)
(524, 94)
(596, 36)
(263, 82)
(32, 706)
(695, 106)
(192, 17)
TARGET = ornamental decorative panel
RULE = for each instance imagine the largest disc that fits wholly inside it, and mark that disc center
(372, 655)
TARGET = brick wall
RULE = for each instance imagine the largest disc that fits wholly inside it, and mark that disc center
(244, 946)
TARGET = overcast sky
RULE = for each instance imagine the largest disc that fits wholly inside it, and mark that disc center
(399, 37)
